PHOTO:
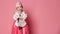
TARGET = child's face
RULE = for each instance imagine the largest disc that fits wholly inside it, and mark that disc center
(19, 8)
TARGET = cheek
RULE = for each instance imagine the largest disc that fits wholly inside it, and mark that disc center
(18, 8)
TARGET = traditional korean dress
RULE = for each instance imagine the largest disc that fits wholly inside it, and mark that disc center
(20, 27)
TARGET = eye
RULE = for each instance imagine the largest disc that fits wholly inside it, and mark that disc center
(17, 7)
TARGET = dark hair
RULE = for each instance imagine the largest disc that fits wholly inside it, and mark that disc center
(22, 6)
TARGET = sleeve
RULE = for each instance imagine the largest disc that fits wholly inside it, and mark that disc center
(15, 16)
(24, 15)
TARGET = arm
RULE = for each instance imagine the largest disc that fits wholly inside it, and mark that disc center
(15, 16)
(24, 15)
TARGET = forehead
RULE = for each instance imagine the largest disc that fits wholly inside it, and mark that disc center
(19, 6)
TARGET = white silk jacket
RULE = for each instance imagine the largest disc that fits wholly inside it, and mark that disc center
(23, 16)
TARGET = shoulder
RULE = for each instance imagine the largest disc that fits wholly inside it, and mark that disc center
(24, 12)
(16, 12)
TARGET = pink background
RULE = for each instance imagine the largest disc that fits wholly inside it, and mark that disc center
(43, 16)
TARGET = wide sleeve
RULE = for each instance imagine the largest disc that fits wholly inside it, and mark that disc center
(15, 16)
(24, 15)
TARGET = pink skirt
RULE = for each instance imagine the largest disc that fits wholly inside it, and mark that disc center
(16, 30)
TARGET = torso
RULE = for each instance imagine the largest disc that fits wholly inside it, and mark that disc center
(21, 23)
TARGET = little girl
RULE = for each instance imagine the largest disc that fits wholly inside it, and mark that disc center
(20, 26)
